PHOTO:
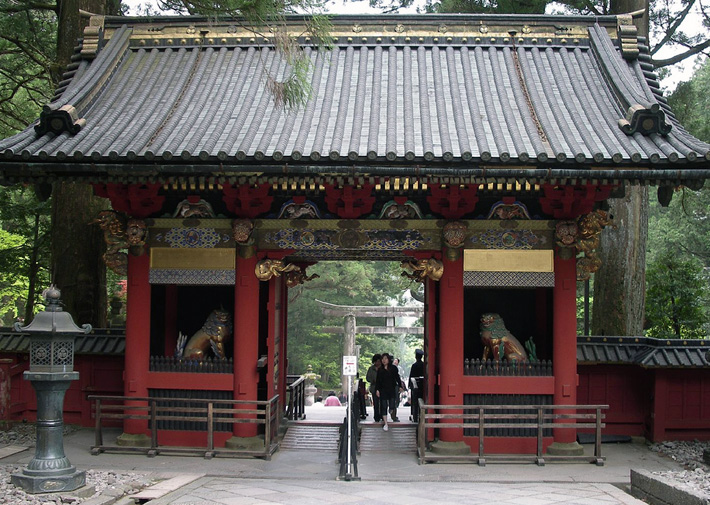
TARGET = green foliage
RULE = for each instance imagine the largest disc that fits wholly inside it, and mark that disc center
(27, 50)
(24, 250)
(691, 103)
(678, 249)
(675, 298)
(487, 6)
(683, 228)
(343, 283)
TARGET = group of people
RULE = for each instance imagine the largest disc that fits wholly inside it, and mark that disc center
(386, 385)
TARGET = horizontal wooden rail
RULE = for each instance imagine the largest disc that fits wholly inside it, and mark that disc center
(537, 418)
(208, 411)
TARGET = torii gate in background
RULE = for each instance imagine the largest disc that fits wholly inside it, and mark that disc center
(350, 328)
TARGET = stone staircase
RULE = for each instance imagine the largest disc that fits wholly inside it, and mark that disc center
(303, 436)
(401, 438)
(311, 437)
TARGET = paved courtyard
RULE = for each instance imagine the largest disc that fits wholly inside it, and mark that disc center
(231, 491)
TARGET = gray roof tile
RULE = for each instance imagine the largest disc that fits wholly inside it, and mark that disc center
(100, 341)
(643, 351)
(468, 100)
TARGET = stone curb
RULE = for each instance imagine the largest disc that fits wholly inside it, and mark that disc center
(658, 490)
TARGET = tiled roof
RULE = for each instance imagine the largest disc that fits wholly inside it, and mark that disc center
(105, 341)
(454, 91)
(643, 351)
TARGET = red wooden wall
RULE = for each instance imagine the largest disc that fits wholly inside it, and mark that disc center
(659, 404)
(100, 375)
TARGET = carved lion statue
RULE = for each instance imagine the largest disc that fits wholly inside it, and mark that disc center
(498, 342)
(136, 232)
(420, 270)
(267, 268)
(213, 335)
(113, 224)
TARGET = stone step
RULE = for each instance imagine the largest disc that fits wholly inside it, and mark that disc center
(399, 438)
(311, 437)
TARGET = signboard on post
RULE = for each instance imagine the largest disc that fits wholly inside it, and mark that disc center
(350, 366)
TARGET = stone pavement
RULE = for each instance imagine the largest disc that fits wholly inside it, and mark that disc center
(297, 477)
(231, 491)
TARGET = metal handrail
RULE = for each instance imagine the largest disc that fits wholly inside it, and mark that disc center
(209, 411)
(349, 473)
(485, 417)
(296, 408)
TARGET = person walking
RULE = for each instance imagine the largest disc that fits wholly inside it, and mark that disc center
(371, 378)
(416, 379)
(387, 389)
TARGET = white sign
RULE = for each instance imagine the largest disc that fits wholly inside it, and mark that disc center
(350, 365)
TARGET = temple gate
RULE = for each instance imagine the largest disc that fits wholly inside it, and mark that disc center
(478, 151)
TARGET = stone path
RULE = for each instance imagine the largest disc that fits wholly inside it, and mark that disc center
(231, 491)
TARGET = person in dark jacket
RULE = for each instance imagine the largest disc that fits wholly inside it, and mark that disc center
(387, 387)
(416, 378)
(371, 378)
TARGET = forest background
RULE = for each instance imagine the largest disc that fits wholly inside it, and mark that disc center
(31, 64)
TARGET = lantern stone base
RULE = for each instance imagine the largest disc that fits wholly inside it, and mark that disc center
(450, 448)
(133, 440)
(35, 482)
(565, 449)
(245, 443)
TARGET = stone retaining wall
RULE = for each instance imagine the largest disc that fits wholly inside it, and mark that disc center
(657, 490)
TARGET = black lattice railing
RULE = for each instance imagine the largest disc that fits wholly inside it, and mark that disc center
(542, 368)
(208, 365)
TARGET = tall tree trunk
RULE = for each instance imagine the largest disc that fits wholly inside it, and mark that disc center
(77, 246)
(620, 283)
(78, 268)
(32, 274)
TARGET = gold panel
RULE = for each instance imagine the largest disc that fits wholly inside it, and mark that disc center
(504, 260)
(195, 259)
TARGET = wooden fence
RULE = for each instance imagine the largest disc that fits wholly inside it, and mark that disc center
(209, 412)
(535, 417)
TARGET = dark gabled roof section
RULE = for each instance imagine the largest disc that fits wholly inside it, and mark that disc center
(644, 351)
(101, 341)
(465, 92)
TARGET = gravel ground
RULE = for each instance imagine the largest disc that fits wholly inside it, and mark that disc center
(24, 434)
(690, 455)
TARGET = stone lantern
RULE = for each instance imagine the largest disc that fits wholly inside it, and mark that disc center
(311, 389)
(52, 333)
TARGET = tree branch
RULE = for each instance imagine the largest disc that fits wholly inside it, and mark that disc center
(670, 31)
(693, 50)
(11, 9)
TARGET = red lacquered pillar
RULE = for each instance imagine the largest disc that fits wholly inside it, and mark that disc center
(564, 341)
(137, 337)
(450, 349)
(246, 338)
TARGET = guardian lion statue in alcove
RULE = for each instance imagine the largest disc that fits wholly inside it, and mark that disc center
(498, 342)
(212, 336)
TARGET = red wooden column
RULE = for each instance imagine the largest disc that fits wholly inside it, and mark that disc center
(564, 340)
(450, 348)
(246, 338)
(276, 331)
(282, 363)
(137, 337)
(430, 348)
